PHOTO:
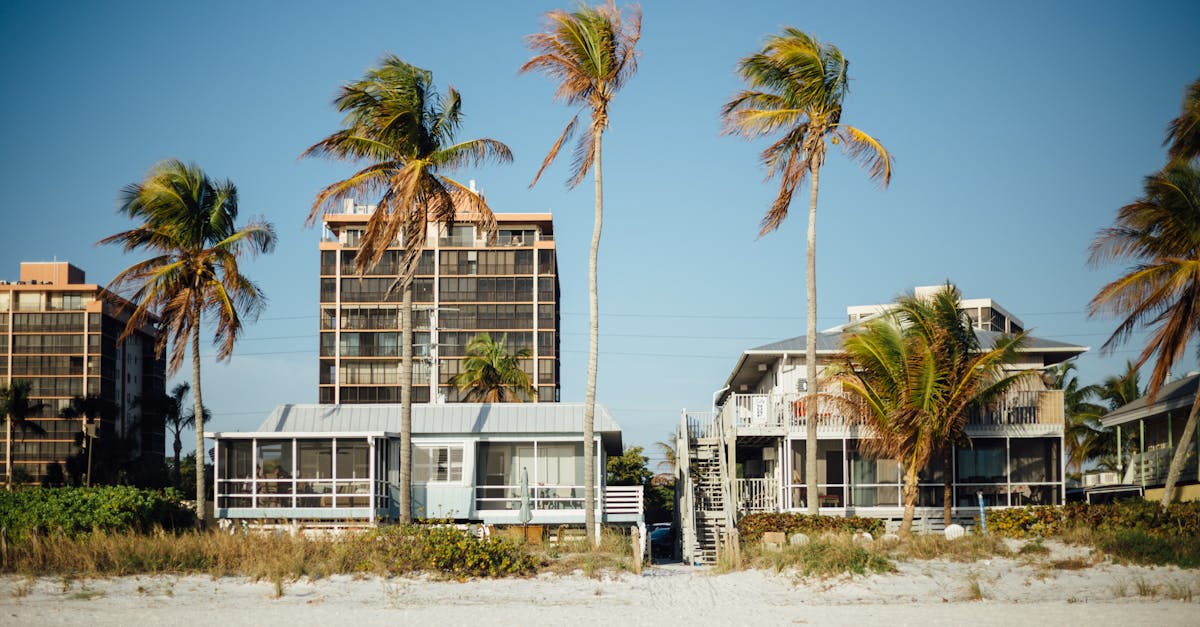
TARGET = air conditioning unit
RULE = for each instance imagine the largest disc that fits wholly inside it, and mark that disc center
(1097, 479)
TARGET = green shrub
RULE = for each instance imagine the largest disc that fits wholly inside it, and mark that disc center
(826, 555)
(448, 550)
(1177, 520)
(752, 526)
(75, 511)
(1141, 547)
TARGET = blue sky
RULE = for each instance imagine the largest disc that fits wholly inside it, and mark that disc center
(1018, 130)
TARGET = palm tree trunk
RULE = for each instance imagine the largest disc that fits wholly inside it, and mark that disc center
(8, 453)
(810, 355)
(947, 484)
(199, 409)
(1181, 451)
(178, 448)
(406, 383)
(910, 500)
(589, 403)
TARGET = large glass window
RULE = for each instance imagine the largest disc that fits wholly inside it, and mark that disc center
(235, 459)
(984, 462)
(316, 459)
(1034, 460)
(875, 481)
(438, 464)
(352, 459)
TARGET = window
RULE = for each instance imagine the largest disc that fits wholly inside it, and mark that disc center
(983, 463)
(437, 464)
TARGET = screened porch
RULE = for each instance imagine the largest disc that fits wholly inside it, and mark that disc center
(302, 476)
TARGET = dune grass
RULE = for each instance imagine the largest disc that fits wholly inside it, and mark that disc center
(269, 556)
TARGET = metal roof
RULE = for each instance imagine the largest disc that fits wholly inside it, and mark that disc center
(1178, 394)
(448, 419)
(829, 343)
(832, 342)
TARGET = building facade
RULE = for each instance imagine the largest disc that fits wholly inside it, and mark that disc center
(465, 285)
(58, 333)
(749, 454)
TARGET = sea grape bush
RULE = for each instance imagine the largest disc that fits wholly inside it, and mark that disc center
(74, 510)
(450, 551)
(1149, 518)
(753, 526)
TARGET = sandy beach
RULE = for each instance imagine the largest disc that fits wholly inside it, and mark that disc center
(932, 592)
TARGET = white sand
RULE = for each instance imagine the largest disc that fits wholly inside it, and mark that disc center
(921, 593)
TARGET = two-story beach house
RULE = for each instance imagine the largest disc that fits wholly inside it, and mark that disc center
(747, 454)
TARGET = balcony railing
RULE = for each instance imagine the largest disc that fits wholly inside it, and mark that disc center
(617, 499)
(1151, 467)
(757, 495)
(1030, 407)
(790, 411)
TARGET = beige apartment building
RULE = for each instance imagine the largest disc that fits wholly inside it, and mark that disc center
(464, 285)
(58, 333)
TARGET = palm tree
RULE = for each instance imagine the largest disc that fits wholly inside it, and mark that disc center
(189, 228)
(491, 375)
(797, 85)
(17, 408)
(1083, 432)
(1117, 391)
(913, 376)
(1160, 234)
(405, 132)
(95, 412)
(178, 418)
(591, 53)
(1183, 133)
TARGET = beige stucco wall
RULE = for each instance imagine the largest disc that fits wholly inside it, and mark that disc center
(1186, 493)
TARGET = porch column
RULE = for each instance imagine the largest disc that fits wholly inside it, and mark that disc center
(371, 463)
(216, 471)
(1120, 460)
(1142, 445)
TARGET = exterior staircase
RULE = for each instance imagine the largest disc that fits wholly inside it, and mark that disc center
(704, 513)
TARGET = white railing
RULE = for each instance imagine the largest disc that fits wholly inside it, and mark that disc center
(617, 499)
(624, 499)
(701, 424)
(757, 495)
(780, 411)
(296, 493)
(1151, 467)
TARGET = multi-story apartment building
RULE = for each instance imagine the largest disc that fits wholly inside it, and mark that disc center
(464, 285)
(749, 455)
(60, 334)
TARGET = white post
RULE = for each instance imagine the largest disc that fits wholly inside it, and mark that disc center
(371, 461)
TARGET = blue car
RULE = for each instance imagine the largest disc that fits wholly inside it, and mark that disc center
(662, 540)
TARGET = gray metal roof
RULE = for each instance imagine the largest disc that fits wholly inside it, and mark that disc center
(832, 342)
(1179, 394)
(448, 419)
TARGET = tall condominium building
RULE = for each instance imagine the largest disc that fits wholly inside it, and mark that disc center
(58, 333)
(464, 286)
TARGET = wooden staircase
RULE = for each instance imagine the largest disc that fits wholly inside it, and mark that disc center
(710, 499)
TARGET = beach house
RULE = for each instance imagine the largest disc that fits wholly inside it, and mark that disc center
(339, 464)
(1154, 429)
(747, 453)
